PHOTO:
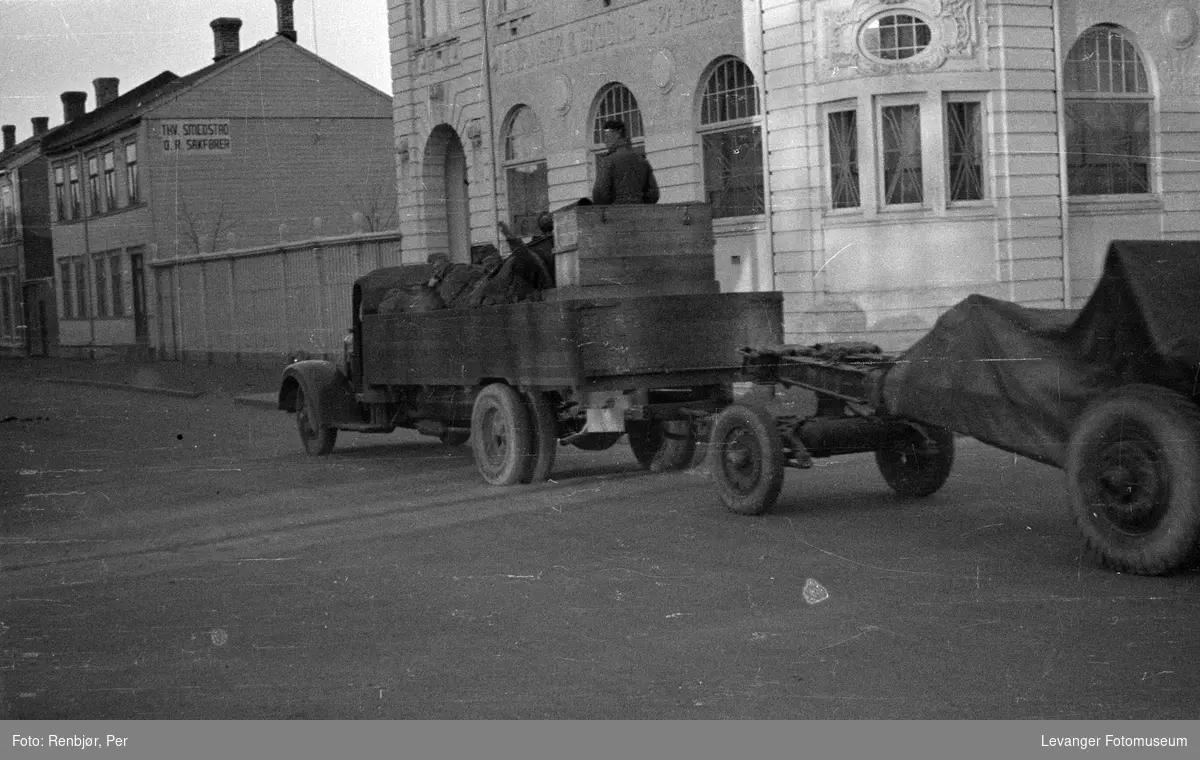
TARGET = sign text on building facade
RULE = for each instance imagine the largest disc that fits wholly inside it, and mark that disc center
(596, 34)
(196, 136)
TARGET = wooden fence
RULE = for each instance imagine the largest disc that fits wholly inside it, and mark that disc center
(262, 305)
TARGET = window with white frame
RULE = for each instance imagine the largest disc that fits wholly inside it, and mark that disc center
(893, 150)
(109, 284)
(895, 36)
(965, 179)
(9, 321)
(132, 185)
(100, 276)
(110, 180)
(74, 197)
(116, 279)
(60, 193)
(436, 18)
(525, 170)
(842, 125)
(73, 287)
(8, 210)
(93, 184)
(901, 171)
(1108, 113)
(731, 140)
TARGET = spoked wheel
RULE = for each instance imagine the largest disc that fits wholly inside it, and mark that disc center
(544, 424)
(1132, 464)
(918, 467)
(746, 459)
(318, 440)
(662, 445)
(501, 436)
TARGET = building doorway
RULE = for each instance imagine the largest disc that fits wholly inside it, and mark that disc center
(447, 199)
(141, 328)
(37, 323)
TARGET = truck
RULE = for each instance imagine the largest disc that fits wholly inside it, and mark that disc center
(635, 340)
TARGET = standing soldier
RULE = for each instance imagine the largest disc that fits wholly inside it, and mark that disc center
(624, 175)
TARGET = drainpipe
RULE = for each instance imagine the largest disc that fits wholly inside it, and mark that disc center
(768, 210)
(491, 124)
(1063, 183)
(87, 262)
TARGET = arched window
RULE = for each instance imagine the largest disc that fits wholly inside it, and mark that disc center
(1108, 112)
(615, 101)
(525, 170)
(731, 138)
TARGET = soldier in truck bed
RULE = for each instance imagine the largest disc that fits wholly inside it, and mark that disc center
(534, 260)
(623, 175)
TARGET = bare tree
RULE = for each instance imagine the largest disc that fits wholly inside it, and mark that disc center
(375, 199)
(200, 228)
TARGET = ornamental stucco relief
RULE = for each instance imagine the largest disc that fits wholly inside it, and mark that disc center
(1178, 68)
(953, 25)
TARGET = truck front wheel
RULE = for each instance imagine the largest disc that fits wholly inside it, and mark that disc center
(318, 440)
(501, 436)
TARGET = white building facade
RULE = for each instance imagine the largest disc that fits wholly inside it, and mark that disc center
(874, 160)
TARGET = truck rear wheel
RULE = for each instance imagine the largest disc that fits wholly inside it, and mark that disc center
(1132, 466)
(746, 455)
(544, 424)
(501, 436)
(317, 439)
(662, 445)
(913, 469)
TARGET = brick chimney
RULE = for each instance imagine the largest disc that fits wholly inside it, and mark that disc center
(10, 135)
(287, 27)
(74, 105)
(225, 37)
(41, 124)
(106, 90)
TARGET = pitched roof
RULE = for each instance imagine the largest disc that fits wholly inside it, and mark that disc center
(128, 108)
(114, 115)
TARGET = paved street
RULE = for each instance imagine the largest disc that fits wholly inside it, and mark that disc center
(176, 557)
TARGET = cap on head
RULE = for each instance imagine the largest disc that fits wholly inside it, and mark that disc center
(615, 125)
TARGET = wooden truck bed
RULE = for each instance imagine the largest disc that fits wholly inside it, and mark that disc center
(665, 341)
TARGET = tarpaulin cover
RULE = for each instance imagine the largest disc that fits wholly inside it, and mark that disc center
(376, 284)
(1018, 378)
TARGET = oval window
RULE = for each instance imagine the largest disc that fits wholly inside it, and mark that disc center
(895, 36)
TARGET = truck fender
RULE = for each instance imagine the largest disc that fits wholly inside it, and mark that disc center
(320, 380)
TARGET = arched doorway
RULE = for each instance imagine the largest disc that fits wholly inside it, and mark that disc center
(446, 197)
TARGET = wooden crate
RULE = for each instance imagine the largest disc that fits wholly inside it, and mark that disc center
(634, 244)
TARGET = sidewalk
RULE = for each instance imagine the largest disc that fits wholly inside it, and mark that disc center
(243, 384)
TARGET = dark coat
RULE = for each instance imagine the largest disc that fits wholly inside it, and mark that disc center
(624, 176)
(534, 261)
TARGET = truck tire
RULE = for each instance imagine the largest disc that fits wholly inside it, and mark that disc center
(501, 436)
(318, 440)
(662, 445)
(913, 473)
(746, 459)
(1132, 463)
(545, 436)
